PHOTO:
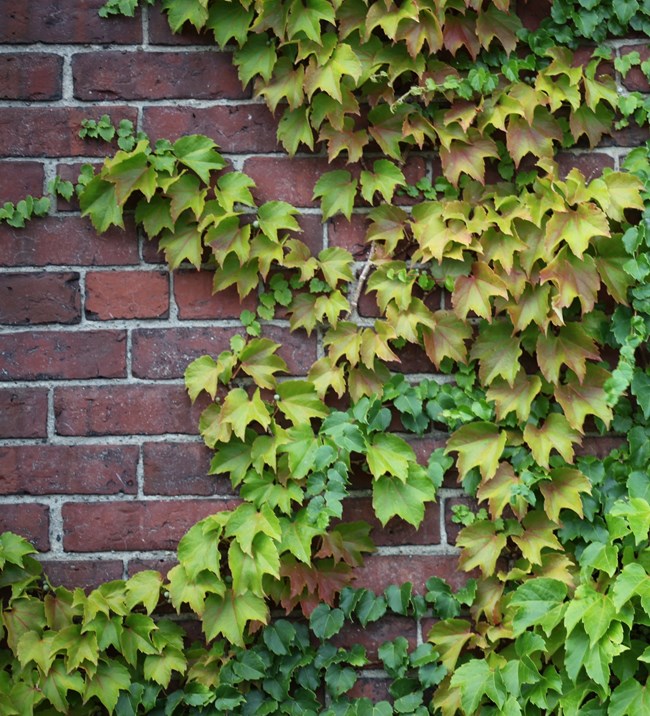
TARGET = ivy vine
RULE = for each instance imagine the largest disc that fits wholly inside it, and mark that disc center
(542, 333)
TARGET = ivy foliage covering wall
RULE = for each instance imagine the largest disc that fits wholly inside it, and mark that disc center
(545, 313)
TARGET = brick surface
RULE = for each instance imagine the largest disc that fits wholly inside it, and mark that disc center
(236, 129)
(33, 76)
(160, 75)
(86, 354)
(85, 573)
(382, 570)
(591, 165)
(125, 410)
(17, 179)
(63, 21)
(635, 80)
(54, 131)
(162, 354)
(160, 33)
(195, 300)
(181, 469)
(126, 294)
(33, 298)
(350, 235)
(68, 469)
(23, 413)
(133, 525)
(70, 240)
(396, 531)
(30, 520)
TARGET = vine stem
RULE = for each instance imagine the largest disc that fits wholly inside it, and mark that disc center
(363, 276)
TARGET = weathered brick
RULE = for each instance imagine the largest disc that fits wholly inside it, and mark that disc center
(396, 531)
(30, 520)
(161, 354)
(181, 469)
(591, 165)
(84, 354)
(380, 571)
(195, 300)
(62, 21)
(157, 75)
(531, 14)
(119, 526)
(17, 179)
(85, 573)
(599, 446)
(43, 297)
(161, 564)
(124, 410)
(53, 131)
(53, 241)
(376, 633)
(236, 129)
(370, 688)
(30, 76)
(23, 413)
(350, 235)
(68, 469)
(127, 294)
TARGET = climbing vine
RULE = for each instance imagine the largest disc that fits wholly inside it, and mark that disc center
(526, 286)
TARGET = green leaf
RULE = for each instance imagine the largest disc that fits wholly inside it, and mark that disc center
(159, 667)
(274, 216)
(482, 546)
(229, 614)
(182, 11)
(389, 454)
(184, 242)
(199, 154)
(479, 445)
(106, 684)
(337, 190)
(325, 622)
(384, 179)
(299, 402)
(239, 411)
(497, 352)
(473, 679)
(554, 434)
(258, 360)
(99, 201)
(202, 374)
(538, 601)
(563, 491)
(256, 57)
(336, 265)
(403, 498)
(631, 581)
(629, 698)
(143, 588)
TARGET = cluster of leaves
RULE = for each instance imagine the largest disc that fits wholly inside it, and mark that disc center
(529, 289)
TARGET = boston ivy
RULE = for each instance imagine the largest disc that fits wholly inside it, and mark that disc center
(541, 330)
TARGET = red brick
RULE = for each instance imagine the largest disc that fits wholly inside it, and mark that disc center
(194, 297)
(127, 294)
(368, 688)
(160, 33)
(31, 521)
(23, 413)
(599, 446)
(350, 235)
(17, 179)
(531, 13)
(119, 526)
(68, 469)
(71, 172)
(33, 76)
(84, 354)
(54, 131)
(53, 241)
(236, 129)
(157, 75)
(124, 410)
(85, 573)
(64, 21)
(162, 354)
(636, 81)
(382, 570)
(632, 136)
(375, 634)
(33, 298)
(396, 531)
(591, 165)
(181, 469)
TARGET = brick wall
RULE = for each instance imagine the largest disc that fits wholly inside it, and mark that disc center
(100, 462)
